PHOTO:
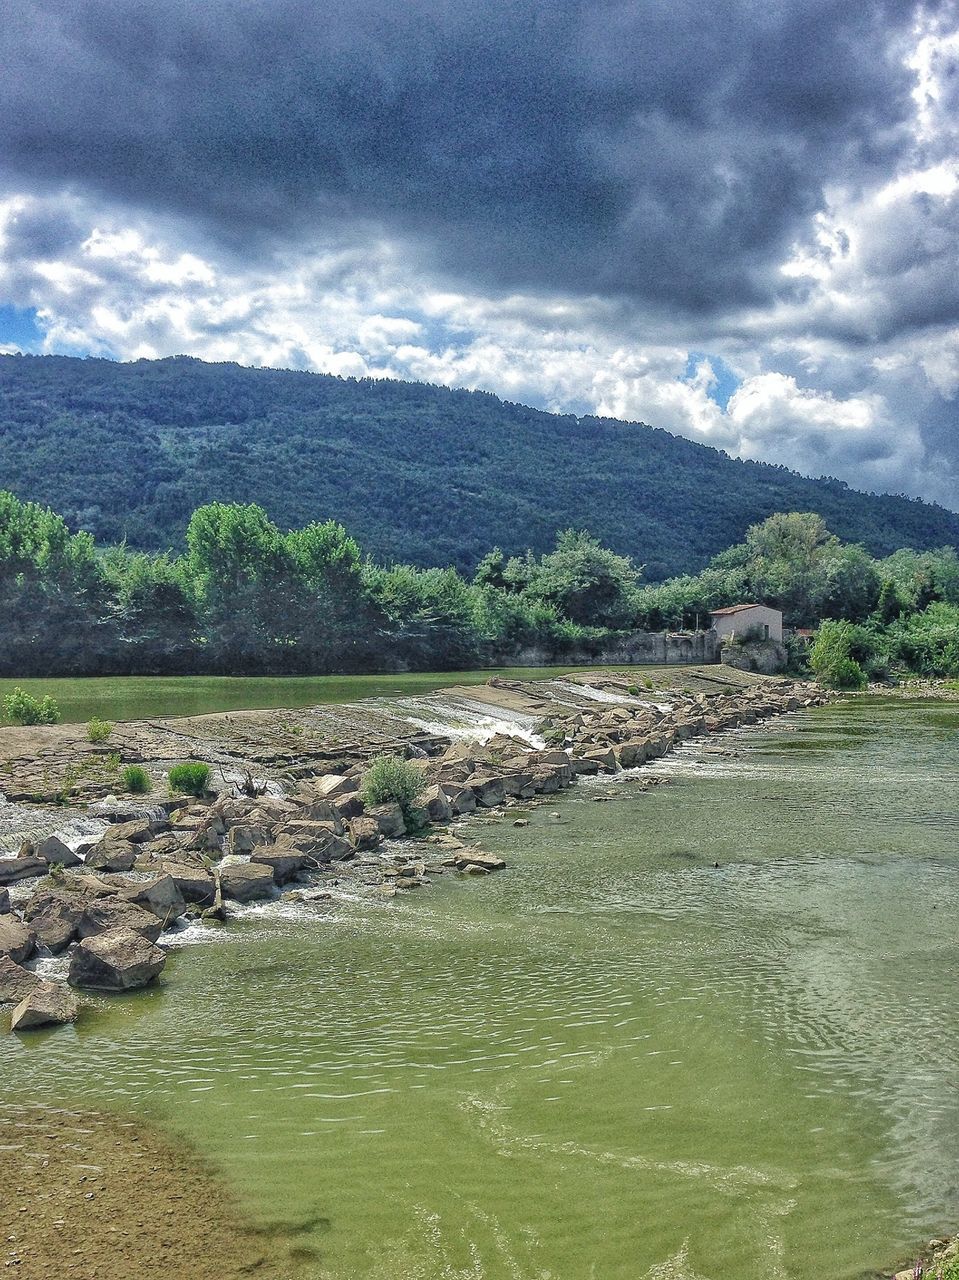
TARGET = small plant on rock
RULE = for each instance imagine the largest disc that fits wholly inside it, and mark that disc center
(136, 780)
(99, 730)
(391, 780)
(633, 690)
(22, 708)
(190, 778)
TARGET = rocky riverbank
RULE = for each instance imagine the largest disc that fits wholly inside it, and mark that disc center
(106, 903)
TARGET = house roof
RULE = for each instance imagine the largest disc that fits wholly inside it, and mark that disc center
(735, 608)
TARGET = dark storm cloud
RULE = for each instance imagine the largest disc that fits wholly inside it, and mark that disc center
(667, 152)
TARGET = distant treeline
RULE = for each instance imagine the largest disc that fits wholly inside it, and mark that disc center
(246, 598)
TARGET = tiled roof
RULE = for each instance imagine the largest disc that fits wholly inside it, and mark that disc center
(734, 608)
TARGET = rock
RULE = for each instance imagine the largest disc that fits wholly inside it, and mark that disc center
(47, 1005)
(585, 765)
(246, 881)
(245, 838)
(347, 807)
(389, 819)
(138, 831)
(460, 796)
(21, 868)
(15, 982)
(605, 760)
(4, 901)
(364, 833)
(107, 915)
(119, 960)
(321, 844)
(489, 791)
(160, 896)
(437, 806)
(55, 851)
(630, 755)
(112, 855)
(521, 822)
(195, 884)
(54, 915)
(333, 786)
(468, 858)
(16, 940)
(284, 863)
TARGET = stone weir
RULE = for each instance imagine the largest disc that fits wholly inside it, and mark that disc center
(288, 815)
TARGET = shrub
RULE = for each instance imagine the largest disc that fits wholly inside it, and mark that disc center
(830, 657)
(190, 777)
(22, 708)
(136, 780)
(99, 730)
(391, 780)
(633, 690)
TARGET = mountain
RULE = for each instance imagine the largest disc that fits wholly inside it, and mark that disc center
(417, 473)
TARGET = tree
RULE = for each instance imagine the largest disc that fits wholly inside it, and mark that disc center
(586, 582)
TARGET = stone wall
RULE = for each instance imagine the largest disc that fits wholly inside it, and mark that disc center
(659, 648)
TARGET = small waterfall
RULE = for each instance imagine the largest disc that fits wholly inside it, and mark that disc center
(19, 822)
(462, 719)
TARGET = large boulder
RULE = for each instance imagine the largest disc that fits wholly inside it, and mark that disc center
(285, 863)
(54, 915)
(160, 896)
(17, 940)
(49, 1004)
(4, 901)
(22, 867)
(320, 842)
(246, 881)
(195, 884)
(15, 982)
(244, 838)
(460, 797)
(107, 915)
(137, 831)
(389, 819)
(364, 833)
(438, 808)
(53, 850)
(112, 855)
(120, 960)
(333, 786)
(489, 791)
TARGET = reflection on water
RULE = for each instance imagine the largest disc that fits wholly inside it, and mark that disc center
(614, 1060)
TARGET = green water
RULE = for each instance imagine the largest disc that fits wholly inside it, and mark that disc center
(613, 1060)
(143, 697)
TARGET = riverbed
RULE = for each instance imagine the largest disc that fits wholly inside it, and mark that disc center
(616, 1059)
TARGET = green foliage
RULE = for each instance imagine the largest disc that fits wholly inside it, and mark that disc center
(418, 474)
(136, 780)
(928, 642)
(392, 780)
(22, 708)
(99, 730)
(582, 580)
(831, 658)
(189, 778)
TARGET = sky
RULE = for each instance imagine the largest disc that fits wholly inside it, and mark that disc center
(734, 220)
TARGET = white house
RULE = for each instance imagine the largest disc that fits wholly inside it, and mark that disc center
(764, 622)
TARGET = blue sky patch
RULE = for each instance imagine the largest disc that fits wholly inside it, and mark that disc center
(726, 380)
(19, 326)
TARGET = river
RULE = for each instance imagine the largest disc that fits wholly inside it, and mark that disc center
(614, 1060)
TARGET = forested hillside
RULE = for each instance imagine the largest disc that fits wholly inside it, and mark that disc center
(417, 473)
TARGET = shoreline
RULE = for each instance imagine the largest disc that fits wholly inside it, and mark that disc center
(101, 903)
